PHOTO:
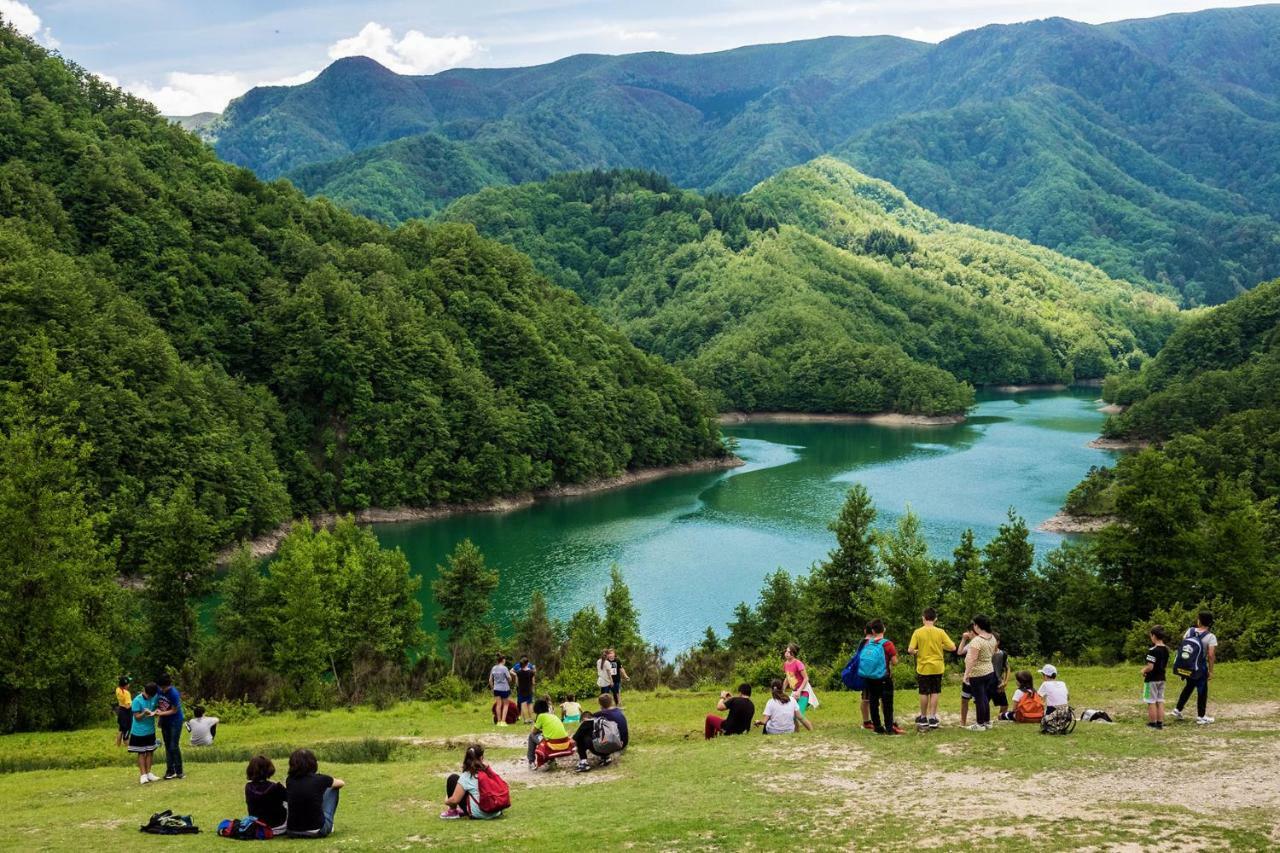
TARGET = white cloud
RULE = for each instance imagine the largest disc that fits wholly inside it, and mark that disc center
(414, 53)
(24, 19)
(185, 94)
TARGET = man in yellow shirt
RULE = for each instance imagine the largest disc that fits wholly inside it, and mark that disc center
(927, 645)
(124, 710)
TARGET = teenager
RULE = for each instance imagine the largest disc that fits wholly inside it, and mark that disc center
(1000, 665)
(781, 713)
(979, 671)
(203, 729)
(312, 796)
(1202, 671)
(582, 737)
(740, 712)
(617, 675)
(266, 799)
(526, 677)
(928, 644)
(797, 681)
(124, 711)
(169, 710)
(500, 684)
(604, 672)
(1153, 677)
(875, 664)
(548, 735)
(462, 790)
(142, 731)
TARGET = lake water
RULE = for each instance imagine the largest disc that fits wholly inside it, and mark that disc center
(693, 546)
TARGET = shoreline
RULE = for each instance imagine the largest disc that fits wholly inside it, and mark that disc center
(1101, 443)
(266, 544)
(1061, 522)
(880, 418)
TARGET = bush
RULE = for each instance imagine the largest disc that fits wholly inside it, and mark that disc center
(231, 711)
(576, 680)
(450, 688)
(1229, 626)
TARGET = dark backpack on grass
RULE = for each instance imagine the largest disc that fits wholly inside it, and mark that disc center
(168, 823)
(1060, 721)
(246, 829)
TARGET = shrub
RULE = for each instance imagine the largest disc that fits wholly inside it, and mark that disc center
(450, 688)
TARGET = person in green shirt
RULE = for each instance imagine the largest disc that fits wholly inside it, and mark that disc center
(548, 738)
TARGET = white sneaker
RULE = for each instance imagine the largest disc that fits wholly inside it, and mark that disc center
(977, 727)
(1176, 714)
(1203, 721)
(142, 780)
(151, 777)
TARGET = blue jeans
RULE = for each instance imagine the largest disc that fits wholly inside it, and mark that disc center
(172, 735)
(328, 806)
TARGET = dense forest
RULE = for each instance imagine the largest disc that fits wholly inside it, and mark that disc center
(1143, 147)
(821, 289)
(189, 355)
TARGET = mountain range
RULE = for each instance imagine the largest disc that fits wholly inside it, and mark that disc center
(1144, 147)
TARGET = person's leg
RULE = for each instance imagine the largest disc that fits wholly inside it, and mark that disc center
(1202, 696)
(874, 689)
(981, 699)
(933, 705)
(866, 706)
(450, 785)
(329, 805)
(712, 727)
(1187, 687)
(964, 705)
(172, 751)
(582, 739)
(534, 739)
(142, 764)
(924, 705)
(886, 697)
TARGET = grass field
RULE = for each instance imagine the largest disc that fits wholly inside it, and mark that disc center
(1104, 787)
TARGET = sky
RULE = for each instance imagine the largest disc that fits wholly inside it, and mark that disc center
(189, 57)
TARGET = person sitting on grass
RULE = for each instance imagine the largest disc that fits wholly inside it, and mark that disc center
(741, 711)
(781, 713)
(266, 800)
(142, 731)
(584, 740)
(570, 710)
(462, 790)
(312, 796)
(548, 735)
(1052, 689)
(203, 729)
(1026, 686)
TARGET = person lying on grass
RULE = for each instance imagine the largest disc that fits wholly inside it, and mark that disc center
(548, 736)
(781, 713)
(462, 790)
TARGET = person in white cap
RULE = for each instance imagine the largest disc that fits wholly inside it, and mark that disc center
(1052, 689)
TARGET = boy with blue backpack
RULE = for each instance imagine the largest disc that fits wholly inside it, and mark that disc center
(876, 660)
(1193, 663)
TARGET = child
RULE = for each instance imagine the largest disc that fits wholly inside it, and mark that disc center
(1052, 689)
(1000, 661)
(548, 736)
(142, 731)
(462, 790)
(927, 646)
(1197, 680)
(876, 662)
(1153, 675)
(203, 729)
(500, 684)
(1025, 685)
(124, 711)
(570, 710)
(265, 799)
(966, 689)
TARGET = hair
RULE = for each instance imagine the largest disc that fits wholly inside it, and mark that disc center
(199, 710)
(744, 688)
(302, 762)
(930, 615)
(1159, 633)
(995, 635)
(571, 698)
(1024, 679)
(794, 649)
(776, 687)
(541, 706)
(260, 769)
(605, 700)
(123, 682)
(1205, 618)
(501, 658)
(150, 689)
(473, 759)
(165, 680)
(524, 658)
(982, 623)
(875, 626)
(866, 629)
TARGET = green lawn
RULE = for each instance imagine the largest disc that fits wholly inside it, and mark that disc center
(1105, 786)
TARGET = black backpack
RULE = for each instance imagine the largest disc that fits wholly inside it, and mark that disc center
(168, 823)
(1189, 662)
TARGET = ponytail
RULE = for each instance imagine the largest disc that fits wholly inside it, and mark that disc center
(778, 693)
(473, 760)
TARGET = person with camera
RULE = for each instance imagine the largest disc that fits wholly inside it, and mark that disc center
(741, 711)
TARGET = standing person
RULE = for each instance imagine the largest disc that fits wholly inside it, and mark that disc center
(1052, 689)
(604, 672)
(1197, 655)
(741, 711)
(875, 664)
(781, 713)
(526, 677)
(979, 671)
(1000, 665)
(312, 795)
(617, 675)
(169, 710)
(966, 689)
(797, 681)
(1153, 676)
(124, 710)
(462, 790)
(500, 684)
(266, 800)
(203, 729)
(927, 645)
(142, 731)
(582, 738)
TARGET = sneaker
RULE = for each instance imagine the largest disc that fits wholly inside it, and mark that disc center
(1153, 725)
(922, 720)
(583, 767)
(934, 722)
(1203, 721)
(502, 723)
(451, 814)
(151, 777)
(606, 761)
(1160, 724)
(868, 725)
(169, 776)
(1176, 713)
(143, 779)
(978, 727)
(895, 729)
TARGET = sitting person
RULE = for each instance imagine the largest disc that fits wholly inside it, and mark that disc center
(1025, 698)
(266, 800)
(462, 790)
(583, 738)
(1052, 689)
(570, 710)
(548, 736)
(741, 711)
(203, 729)
(781, 713)
(312, 797)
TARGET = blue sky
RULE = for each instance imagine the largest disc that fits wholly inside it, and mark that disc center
(189, 57)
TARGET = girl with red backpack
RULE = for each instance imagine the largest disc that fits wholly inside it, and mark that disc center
(1028, 707)
(478, 792)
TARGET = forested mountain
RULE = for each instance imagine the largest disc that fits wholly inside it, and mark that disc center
(821, 289)
(186, 336)
(1143, 147)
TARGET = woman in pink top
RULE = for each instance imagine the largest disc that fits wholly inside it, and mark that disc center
(798, 680)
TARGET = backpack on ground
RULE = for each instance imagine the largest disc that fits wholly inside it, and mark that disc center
(1060, 721)
(1030, 708)
(606, 737)
(850, 676)
(872, 662)
(495, 796)
(1189, 662)
(246, 829)
(168, 823)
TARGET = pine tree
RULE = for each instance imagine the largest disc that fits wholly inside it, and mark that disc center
(463, 590)
(620, 628)
(239, 616)
(538, 637)
(1008, 560)
(747, 635)
(178, 565)
(914, 578)
(838, 588)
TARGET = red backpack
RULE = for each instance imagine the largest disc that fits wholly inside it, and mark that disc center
(495, 796)
(1030, 708)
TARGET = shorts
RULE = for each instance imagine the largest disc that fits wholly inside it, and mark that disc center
(524, 698)
(1000, 699)
(803, 701)
(142, 743)
(966, 690)
(928, 685)
(124, 719)
(1153, 692)
(502, 694)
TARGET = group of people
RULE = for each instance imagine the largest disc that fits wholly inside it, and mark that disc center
(159, 706)
(303, 807)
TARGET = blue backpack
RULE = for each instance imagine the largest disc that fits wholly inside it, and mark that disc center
(850, 676)
(1189, 662)
(872, 664)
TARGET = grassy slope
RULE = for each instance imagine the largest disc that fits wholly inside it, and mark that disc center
(1105, 785)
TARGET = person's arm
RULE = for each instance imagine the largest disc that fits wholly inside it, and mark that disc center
(1150, 666)
(970, 658)
(622, 670)
(456, 797)
(337, 783)
(947, 643)
(720, 706)
(1211, 660)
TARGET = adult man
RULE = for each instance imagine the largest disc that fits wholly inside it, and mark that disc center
(582, 737)
(741, 711)
(169, 710)
(526, 677)
(927, 645)
(1195, 666)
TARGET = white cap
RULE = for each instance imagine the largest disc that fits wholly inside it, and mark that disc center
(1049, 670)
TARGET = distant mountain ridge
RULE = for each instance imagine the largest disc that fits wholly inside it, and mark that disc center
(1146, 147)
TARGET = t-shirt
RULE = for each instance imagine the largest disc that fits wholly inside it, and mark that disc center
(615, 669)
(524, 677)
(306, 801)
(1000, 664)
(471, 785)
(551, 726)
(986, 648)
(930, 642)
(781, 716)
(1158, 657)
(201, 729)
(123, 699)
(1017, 696)
(167, 698)
(617, 716)
(501, 678)
(267, 801)
(742, 711)
(571, 709)
(795, 672)
(1054, 693)
(147, 725)
(1207, 639)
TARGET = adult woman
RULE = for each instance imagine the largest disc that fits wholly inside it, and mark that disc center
(979, 671)
(462, 790)
(266, 800)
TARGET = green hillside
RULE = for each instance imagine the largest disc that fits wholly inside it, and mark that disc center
(1143, 147)
(821, 289)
